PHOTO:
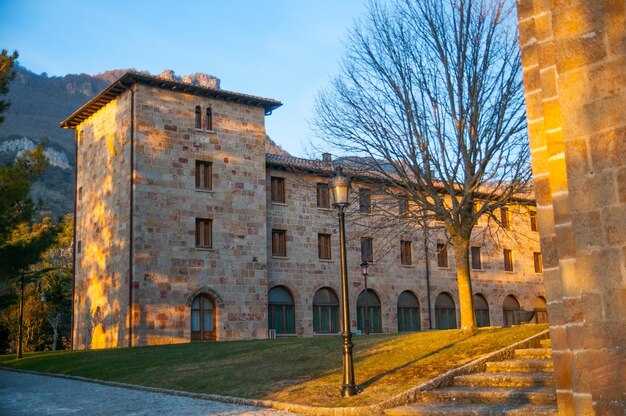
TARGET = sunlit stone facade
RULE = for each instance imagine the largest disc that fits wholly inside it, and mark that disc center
(216, 239)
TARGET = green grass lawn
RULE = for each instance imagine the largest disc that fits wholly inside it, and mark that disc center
(298, 370)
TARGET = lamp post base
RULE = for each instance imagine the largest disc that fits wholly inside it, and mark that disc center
(348, 390)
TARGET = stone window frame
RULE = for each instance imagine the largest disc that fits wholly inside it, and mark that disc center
(279, 243)
(204, 175)
(208, 119)
(505, 218)
(406, 248)
(367, 253)
(442, 256)
(476, 261)
(277, 190)
(324, 246)
(507, 254)
(198, 118)
(538, 262)
(365, 201)
(204, 233)
(534, 224)
(323, 195)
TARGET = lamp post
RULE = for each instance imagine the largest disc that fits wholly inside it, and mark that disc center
(21, 320)
(364, 267)
(340, 190)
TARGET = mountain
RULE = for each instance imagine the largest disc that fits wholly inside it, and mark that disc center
(40, 102)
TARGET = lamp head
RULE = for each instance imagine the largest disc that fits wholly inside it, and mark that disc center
(340, 189)
(364, 266)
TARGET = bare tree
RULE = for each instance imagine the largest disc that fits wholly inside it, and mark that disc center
(430, 98)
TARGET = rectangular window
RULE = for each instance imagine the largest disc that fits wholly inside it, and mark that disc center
(80, 193)
(79, 246)
(403, 206)
(533, 221)
(538, 262)
(279, 243)
(204, 175)
(505, 218)
(508, 260)
(278, 189)
(442, 255)
(475, 208)
(204, 232)
(405, 252)
(367, 249)
(323, 246)
(365, 201)
(323, 195)
(476, 262)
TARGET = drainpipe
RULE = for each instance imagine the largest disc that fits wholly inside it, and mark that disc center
(131, 196)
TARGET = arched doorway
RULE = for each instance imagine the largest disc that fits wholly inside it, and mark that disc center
(481, 310)
(445, 312)
(281, 310)
(373, 311)
(203, 318)
(408, 312)
(541, 310)
(325, 311)
(509, 306)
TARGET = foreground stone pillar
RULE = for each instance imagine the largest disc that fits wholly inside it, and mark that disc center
(575, 85)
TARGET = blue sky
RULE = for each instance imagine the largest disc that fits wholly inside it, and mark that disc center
(282, 49)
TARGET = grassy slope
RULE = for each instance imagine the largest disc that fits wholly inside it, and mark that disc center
(298, 370)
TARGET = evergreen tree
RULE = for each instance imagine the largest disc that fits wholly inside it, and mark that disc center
(6, 75)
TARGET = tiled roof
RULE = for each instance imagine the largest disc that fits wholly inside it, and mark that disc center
(291, 162)
(129, 78)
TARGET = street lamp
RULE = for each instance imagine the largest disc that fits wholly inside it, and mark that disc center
(364, 267)
(21, 319)
(340, 191)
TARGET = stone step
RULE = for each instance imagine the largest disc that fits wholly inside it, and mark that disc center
(506, 379)
(473, 409)
(501, 395)
(521, 365)
(534, 353)
(546, 343)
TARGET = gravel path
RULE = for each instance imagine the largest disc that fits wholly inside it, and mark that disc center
(34, 395)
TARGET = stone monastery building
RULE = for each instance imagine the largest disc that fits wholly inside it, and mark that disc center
(189, 226)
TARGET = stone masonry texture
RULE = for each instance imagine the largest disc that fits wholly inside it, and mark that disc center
(149, 303)
(574, 55)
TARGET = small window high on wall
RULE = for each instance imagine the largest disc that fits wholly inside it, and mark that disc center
(198, 123)
(208, 119)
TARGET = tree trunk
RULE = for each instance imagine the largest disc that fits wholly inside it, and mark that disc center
(466, 304)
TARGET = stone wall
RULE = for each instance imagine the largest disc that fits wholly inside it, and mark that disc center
(102, 224)
(575, 86)
(168, 268)
(303, 273)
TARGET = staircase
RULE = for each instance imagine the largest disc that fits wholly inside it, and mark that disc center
(523, 385)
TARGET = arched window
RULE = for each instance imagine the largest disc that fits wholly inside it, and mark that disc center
(198, 118)
(481, 310)
(509, 307)
(281, 310)
(208, 120)
(541, 310)
(371, 304)
(203, 318)
(325, 311)
(408, 312)
(445, 312)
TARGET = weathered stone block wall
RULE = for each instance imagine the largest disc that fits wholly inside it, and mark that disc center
(575, 86)
(303, 273)
(168, 269)
(102, 228)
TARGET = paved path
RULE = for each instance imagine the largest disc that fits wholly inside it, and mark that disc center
(30, 394)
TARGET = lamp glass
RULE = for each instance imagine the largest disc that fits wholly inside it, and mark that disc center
(340, 189)
(364, 267)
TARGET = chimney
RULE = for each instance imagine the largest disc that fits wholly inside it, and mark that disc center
(326, 157)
